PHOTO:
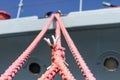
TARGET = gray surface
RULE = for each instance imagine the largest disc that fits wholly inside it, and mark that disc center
(96, 37)
(75, 19)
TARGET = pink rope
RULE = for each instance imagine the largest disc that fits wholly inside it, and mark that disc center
(81, 63)
(50, 73)
(58, 59)
(64, 71)
(60, 62)
(16, 66)
(58, 56)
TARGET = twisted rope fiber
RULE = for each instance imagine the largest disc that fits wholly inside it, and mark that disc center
(58, 56)
(16, 66)
(64, 71)
(58, 60)
(80, 62)
(50, 73)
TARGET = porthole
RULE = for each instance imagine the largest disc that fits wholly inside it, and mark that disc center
(111, 63)
(34, 68)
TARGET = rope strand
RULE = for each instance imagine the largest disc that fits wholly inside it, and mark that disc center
(16, 66)
(80, 62)
(58, 55)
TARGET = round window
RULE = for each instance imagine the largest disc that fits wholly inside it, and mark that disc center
(34, 68)
(111, 63)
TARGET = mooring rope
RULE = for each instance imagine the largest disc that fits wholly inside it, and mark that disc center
(80, 61)
(58, 55)
(18, 63)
